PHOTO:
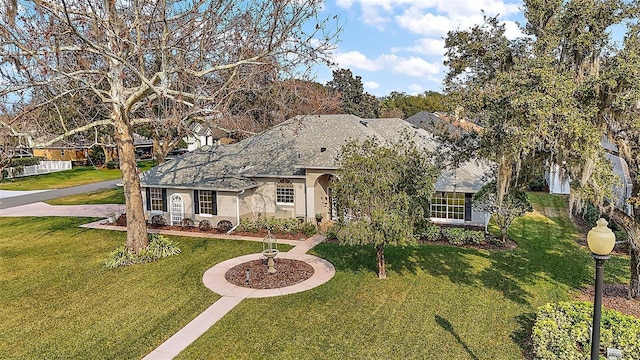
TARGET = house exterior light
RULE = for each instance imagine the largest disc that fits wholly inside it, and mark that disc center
(601, 241)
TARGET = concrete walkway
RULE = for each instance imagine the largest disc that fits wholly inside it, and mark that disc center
(232, 295)
(213, 278)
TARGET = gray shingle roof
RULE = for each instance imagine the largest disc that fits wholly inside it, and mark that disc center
(312, 141)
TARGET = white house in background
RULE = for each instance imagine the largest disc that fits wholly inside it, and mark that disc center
(202, 135)
(559, 184)
(286, 172)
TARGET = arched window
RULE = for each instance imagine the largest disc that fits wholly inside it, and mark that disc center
(284, 192)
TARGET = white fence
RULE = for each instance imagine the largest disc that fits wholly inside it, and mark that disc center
(43, 168)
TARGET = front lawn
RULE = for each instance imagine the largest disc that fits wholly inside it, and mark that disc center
(58, 301)
(438, 302)
(79, 175)
(108, 196)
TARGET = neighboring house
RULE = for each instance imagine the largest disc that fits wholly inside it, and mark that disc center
(559, 184)
(286, 172)
(201, 135)
(60, 151)
(442, 123)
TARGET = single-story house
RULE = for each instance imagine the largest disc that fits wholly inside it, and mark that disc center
(286, 172)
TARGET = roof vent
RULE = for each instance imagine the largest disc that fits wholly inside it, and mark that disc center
(363, 122)
(323, 149)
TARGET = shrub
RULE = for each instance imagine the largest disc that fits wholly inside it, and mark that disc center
(122, 256)
(431, 233)
(455, 236)
(159, 247)
(332, 232)
(224, 225)
(250, 225)
(205, 225)
(30, 161)
(276, 225)
(186, 223)
(308, 229)
(473, 237)
(562, 331)
(113, 164)
(158, 220)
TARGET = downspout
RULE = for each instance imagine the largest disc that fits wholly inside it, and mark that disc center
(237, 212)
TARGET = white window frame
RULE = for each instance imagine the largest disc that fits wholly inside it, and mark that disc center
(202, 201)
(285, 191)
(155, 199)
(447, 205)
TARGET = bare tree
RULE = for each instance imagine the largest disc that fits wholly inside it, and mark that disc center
(133, 55)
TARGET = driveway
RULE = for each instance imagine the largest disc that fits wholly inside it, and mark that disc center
(31, 197)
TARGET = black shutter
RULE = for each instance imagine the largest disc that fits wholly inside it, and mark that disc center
(196, 202)
(148, 193)
(467, 206)
(164, 200)
(214, 203)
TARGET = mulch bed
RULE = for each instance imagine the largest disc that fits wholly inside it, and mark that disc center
(485, 245)
(122, 221)
(614, 296)
(290, 272)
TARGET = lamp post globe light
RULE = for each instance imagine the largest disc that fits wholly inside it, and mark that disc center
(601, 241)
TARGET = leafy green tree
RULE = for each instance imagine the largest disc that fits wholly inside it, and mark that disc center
(514, 204)
(552, 96)
(355, 100)
(408, 105)
(382, 193)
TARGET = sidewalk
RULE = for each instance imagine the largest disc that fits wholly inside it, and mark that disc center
(232, 295)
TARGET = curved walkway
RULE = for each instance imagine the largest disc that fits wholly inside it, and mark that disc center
(232, 294)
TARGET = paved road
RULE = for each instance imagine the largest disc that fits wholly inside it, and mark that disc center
(52, 194)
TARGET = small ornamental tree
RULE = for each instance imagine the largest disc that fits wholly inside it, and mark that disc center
(514, 204)
(382, 193)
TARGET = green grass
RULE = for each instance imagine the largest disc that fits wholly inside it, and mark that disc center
(438, 302)
(77, 176)
(109, 196)
(58, 301)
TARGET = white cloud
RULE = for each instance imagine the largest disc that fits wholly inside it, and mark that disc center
(425, 46)
(512, 30)
(372, 85)
(424, 24)
(355, 59)
(412, 66)
(415, 89)
(431, 17)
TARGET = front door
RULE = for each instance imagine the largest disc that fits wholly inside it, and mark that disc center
(177, 209)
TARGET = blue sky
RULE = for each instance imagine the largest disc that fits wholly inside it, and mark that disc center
(398, 45)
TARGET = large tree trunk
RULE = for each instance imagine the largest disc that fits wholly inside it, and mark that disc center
(136, 225)
(382, 274)
(632, 229)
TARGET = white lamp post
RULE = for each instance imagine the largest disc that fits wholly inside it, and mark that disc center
(601, 241)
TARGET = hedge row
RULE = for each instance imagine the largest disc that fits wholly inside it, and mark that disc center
(562, 331)
(455, 236)
(285, 226)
